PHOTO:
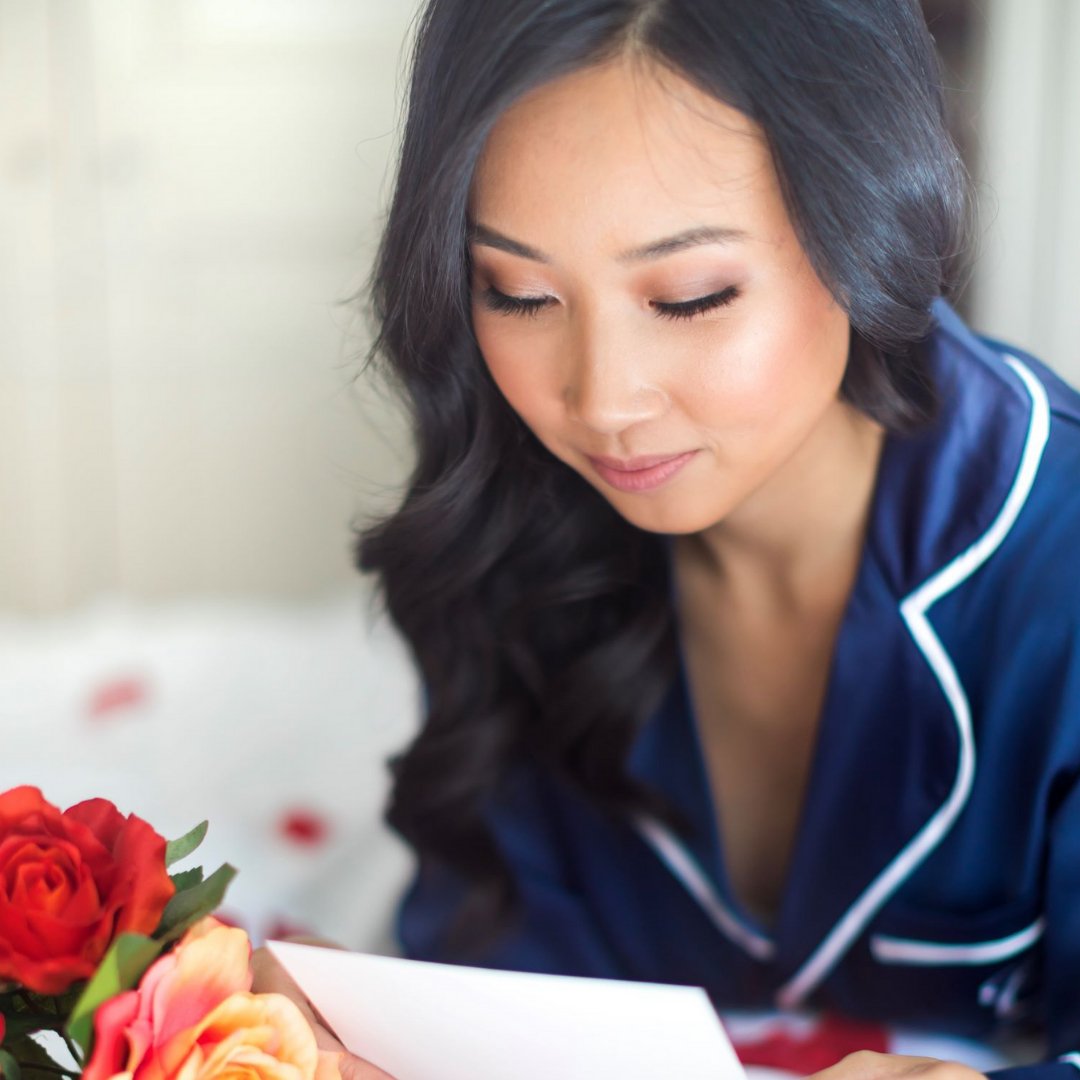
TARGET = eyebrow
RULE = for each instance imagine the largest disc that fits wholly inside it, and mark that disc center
(657, 249)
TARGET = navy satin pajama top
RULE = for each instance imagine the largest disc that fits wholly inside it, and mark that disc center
(935, 880)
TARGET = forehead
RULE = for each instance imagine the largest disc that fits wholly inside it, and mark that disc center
(621, 149)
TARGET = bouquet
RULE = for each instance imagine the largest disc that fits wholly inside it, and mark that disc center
(123, 962)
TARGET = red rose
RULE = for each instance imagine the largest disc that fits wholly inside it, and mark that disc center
(69, 883)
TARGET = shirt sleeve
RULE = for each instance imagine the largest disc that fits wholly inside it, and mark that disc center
(1061, 952)
(554, 930)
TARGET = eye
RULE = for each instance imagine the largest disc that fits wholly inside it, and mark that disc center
(687, 309)
(494, 300)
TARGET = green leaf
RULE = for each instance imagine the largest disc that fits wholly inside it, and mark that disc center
(65, 1002)
(32, 1061)
(50, 1004)
(186, 878)
(25, 1010)
(22, 1023)
(188, 907)
(9, 1067)
(175, 850)
(120, 969)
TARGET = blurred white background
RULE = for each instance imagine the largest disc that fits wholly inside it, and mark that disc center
(189, 194)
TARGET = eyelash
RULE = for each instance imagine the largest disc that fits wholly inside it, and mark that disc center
(532, 305)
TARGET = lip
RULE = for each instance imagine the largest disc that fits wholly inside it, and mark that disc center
(640, 473)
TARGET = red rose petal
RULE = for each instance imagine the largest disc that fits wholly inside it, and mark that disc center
(41, 886)
(85, 904)
(69, 883)
(55, 937)
(101, 818)
(23, 804)
(17, 936)
(140, 854)
(303, 827)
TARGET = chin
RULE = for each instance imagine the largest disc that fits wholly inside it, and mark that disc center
(673, 520)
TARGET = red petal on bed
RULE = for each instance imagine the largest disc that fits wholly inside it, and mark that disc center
(282, 928)
(115, 696)
(303, 827)
(800, 1052)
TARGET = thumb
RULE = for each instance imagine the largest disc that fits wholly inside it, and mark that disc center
(349, 1065)
(354, 1068)
(270, 976)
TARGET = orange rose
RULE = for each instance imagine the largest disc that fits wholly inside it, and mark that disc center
(193, 1017)
(69, 883)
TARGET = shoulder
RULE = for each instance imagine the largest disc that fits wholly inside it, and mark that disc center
(1045, 537)
(1015, 440)
(959, 498)
(1013, 623)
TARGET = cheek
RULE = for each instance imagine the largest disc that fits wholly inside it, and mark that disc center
(778, 370)
(521, 366)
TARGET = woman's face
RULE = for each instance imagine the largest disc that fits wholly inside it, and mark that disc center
(639, 295)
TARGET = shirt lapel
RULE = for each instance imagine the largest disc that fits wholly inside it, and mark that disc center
(889, 744)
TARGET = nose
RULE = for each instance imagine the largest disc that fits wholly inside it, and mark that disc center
(609, 385)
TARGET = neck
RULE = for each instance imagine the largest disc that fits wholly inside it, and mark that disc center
(798, 539)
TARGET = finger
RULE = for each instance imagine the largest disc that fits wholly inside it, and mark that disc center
(869, 1065)
(271, 977)
(866, 1065)
(350, 1066)
(354, 1068)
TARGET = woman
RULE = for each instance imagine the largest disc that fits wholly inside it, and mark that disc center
(736, 567)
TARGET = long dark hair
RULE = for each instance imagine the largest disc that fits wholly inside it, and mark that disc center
(540, 619)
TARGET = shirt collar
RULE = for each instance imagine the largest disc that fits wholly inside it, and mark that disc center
(939, 489)
(888, 744)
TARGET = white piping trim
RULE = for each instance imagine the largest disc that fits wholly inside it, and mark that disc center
(683, 866)
(892, 950)
(913, 610)
(1005, 1006)
(1071, 1059)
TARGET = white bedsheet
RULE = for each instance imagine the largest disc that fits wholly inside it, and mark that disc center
(274, 722)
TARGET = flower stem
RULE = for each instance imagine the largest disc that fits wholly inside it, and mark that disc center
(73, 1048)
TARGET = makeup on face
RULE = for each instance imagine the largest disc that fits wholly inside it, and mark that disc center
(641, 299)
(671, 291)
(641, 474)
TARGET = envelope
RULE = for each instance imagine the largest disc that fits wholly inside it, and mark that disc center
(425, 1021)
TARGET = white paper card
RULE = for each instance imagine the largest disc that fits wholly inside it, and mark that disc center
(423, 1021)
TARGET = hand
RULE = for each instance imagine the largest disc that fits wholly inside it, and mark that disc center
(868, 1065)
(272, 978)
